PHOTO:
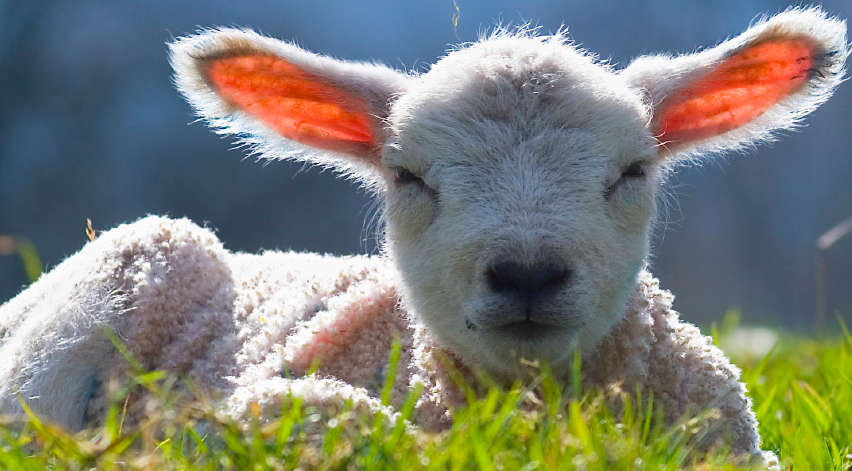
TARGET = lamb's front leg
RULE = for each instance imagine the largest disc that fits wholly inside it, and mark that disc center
(160, 284)
(328, 396)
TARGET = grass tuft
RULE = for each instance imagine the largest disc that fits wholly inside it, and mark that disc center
(802, 391)
(26, 250)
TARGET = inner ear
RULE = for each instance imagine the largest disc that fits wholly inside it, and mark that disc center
(295, 103)
(737, 90)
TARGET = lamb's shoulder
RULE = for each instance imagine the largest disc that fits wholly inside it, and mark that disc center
(333, 317)
(669, 358)
(295, 311)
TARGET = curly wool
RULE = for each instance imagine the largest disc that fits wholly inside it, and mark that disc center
(251, 326)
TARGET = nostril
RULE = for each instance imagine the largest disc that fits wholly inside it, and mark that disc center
(515, 277)
(552, 276)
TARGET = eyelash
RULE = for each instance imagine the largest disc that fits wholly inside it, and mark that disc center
(403, 176)
(635, 170)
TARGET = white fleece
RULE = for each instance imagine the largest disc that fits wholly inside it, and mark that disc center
(250, 326)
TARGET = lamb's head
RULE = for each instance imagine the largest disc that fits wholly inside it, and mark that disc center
(524, 186)
(519, 175)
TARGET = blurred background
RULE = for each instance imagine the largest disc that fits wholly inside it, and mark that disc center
(91, 127)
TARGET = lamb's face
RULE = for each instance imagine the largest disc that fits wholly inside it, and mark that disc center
(522, 186)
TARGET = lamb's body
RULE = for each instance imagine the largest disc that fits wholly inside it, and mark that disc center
(235, 323)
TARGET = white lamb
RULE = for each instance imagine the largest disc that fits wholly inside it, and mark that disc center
(519, 178)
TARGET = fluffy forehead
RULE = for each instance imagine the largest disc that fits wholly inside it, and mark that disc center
(513, 88)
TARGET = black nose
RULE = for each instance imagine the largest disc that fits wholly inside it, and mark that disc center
(513, 277)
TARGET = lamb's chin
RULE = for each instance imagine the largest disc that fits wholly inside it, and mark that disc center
(529, 331)
(521, 350)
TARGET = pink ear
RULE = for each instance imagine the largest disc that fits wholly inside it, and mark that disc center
(296, 104)
(736, 91)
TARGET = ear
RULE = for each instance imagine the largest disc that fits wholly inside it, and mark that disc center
(274, 94)
(744, 90)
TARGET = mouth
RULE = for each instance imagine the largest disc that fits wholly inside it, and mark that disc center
(528, 330)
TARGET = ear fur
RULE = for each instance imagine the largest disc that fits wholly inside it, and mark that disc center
(361, 89)
(666, 80)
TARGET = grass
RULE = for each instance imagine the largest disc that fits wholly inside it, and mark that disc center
(26, 250)
(802, 392)
(803, 400)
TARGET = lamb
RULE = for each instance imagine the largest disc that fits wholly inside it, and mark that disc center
(519, 177)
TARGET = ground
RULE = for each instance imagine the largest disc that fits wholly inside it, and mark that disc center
(802, 391)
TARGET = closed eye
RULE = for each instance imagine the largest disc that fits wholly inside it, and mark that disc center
(634, 172)
(403, 176)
